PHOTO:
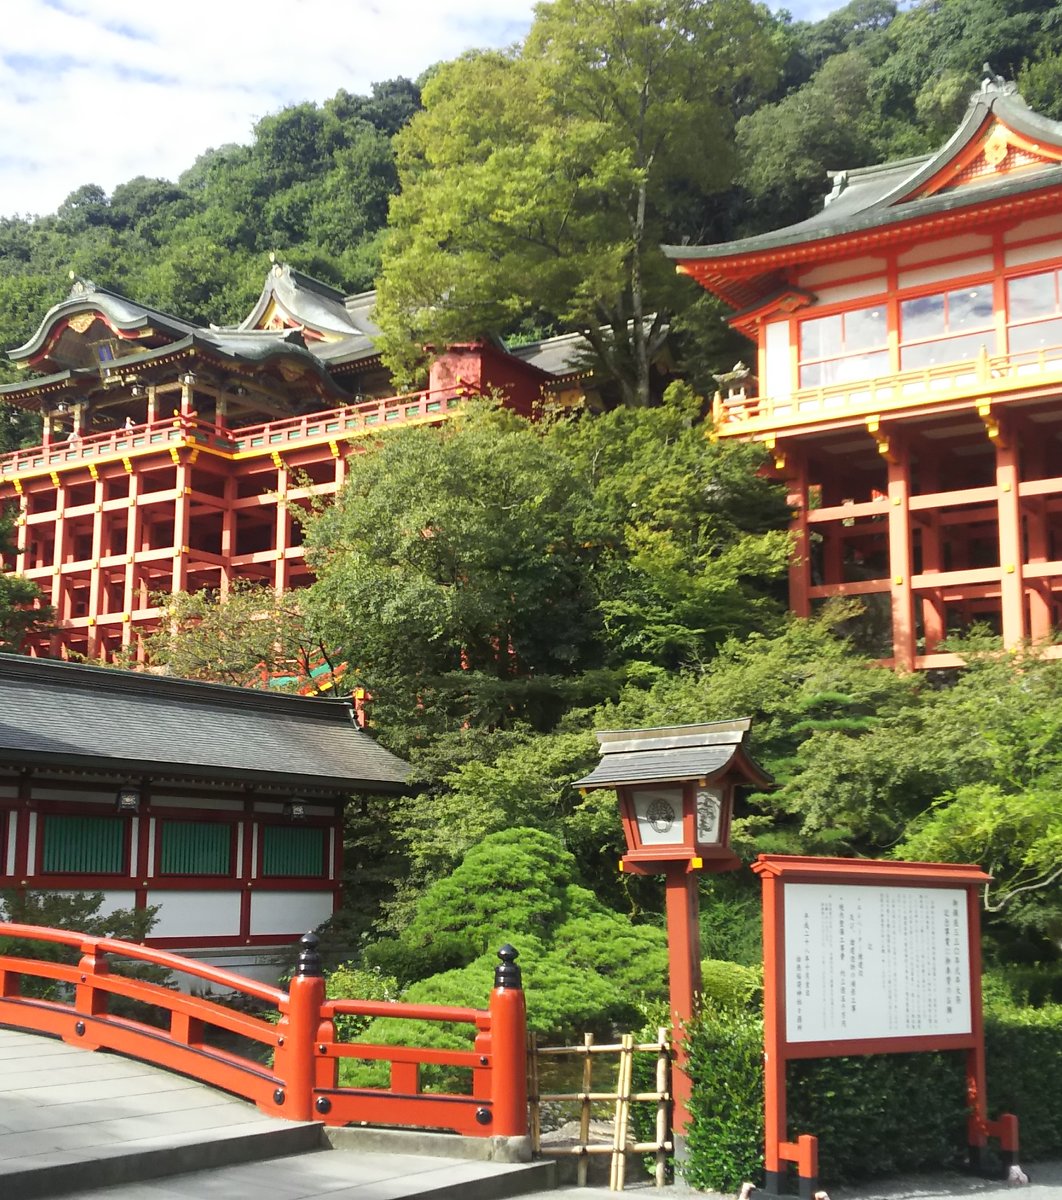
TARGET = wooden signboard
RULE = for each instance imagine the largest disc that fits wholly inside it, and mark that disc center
(867, 957)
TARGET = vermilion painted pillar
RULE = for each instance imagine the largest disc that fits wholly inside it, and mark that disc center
(181, 506)
(800, 559)
(281, 531)
(508, 1041)
(295, 1058)
(684, 952)
(99, 517)
(900, 559)
(1011, 553)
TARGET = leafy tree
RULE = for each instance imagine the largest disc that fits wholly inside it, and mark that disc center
(690, 537)
(788, 147)
(551, 198)
(247, 639)
(450, 572)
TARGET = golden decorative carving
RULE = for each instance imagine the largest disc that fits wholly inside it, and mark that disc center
(82, 322)
(997, 147)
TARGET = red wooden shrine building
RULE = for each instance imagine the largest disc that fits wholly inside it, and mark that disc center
(909, 364)
(174, 457)
(222, 807)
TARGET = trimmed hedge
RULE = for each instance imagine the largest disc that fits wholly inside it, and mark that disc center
(873, 1115)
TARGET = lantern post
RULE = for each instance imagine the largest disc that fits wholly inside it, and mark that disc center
(676, 796)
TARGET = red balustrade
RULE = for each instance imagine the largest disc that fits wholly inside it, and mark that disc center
(296, 1073)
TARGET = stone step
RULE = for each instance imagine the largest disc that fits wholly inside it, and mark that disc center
(342, 1175)
(48, 1167)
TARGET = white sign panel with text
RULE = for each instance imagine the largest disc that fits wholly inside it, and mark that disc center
(875, 962)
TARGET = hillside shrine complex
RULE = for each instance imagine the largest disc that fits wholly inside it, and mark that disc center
(907, 383)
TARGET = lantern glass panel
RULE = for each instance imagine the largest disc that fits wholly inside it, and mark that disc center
(709, 816)
(659, 815)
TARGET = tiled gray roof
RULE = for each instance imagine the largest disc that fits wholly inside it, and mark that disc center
(632, 756)
(65, 714)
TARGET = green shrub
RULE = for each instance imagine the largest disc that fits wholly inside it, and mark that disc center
(875, 1114)
(729, 985)
(1023, 1052)
(725, 1138)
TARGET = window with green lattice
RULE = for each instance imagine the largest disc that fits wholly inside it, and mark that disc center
(195, 848)
(292, 850)
(89, 845)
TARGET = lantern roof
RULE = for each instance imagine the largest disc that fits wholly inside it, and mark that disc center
(674, 754)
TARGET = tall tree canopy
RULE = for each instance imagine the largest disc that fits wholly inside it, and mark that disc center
(537, 185)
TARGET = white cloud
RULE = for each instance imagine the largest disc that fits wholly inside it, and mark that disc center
(99, 91)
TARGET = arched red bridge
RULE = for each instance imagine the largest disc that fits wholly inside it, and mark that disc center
(297, 1074)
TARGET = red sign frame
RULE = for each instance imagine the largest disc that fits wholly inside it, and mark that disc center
(777, 870)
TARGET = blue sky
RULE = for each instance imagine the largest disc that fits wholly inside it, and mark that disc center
(100, 91)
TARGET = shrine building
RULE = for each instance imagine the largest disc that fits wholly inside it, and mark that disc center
(221, 807)
(909, 365)
(176, 457)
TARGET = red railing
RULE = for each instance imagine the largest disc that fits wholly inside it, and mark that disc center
(296, 1075)
(339, 423)
(986, 376)
(174, 431)
(334, 424)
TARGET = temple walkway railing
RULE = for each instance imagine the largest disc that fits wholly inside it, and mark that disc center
(330, 425)
(985, 377)
(295, 1072)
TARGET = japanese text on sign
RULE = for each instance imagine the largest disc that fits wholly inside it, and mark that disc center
(875, 962)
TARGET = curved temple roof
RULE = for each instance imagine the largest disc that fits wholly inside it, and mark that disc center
(884, 198)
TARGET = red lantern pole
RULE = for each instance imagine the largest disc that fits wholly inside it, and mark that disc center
(684, 963)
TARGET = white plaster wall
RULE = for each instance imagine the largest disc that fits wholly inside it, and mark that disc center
(1037, 228)
(167, 801)
(196, 914)
(778, 375)
(966, 245)
(288, 912)
(841, 271)
(1040, 252)
(952, 272)
(876, 286)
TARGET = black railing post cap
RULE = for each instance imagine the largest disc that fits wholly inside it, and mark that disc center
(507, 973)
(309, 960)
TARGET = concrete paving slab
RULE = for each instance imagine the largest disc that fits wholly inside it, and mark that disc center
(340, 1175)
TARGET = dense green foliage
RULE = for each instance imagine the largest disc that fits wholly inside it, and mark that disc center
(875, 1115)
(503, 589)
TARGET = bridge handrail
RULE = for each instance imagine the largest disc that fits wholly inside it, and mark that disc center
(301, 1079)
(480, 1017)
(146, 954)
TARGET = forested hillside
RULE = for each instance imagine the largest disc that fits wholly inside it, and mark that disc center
(520, 175)
(502, 588)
